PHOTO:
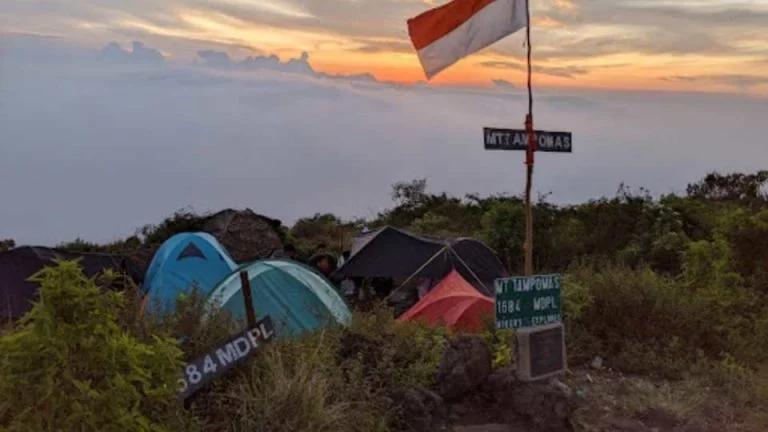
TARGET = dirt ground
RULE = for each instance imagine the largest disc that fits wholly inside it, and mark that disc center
(613, 402)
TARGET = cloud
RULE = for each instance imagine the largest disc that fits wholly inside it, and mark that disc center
(98, 149)
(221, 59)
(377, 45)
(301, 65)
(651, 36)
(565, 5)
(502, 83)
(652, 27)
(564, 71)
(140, 54)
(734, 80)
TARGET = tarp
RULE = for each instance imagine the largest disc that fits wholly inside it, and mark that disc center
(297, 298)
(17, 265)
(185, 261)
(394, 253)
(453, 302)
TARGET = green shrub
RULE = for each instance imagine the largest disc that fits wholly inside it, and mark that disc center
(395, 354)
(339, 379)
(68, 365)
(198, 325)
(501, 341)
(292, 385)
(647, 323)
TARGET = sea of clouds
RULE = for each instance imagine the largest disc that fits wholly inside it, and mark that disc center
(97, 143)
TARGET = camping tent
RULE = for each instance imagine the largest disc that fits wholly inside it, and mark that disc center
(393, 253)
(16, 266)
(454, 303)
(183, 262)
(296, 298)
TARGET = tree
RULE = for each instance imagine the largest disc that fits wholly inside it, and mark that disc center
(749, 189)
(410, 194)
(325, 228)
(7, 244)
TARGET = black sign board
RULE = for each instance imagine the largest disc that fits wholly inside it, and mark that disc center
(517, 139)
(206, 368)
(546, 351)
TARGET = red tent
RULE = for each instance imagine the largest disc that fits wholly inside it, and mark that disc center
(453, 302)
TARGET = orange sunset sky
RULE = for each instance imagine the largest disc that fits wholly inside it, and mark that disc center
(681, 45)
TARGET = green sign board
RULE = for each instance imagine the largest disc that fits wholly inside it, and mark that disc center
(528, 301)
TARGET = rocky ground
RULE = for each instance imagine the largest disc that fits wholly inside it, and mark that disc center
(472, 398)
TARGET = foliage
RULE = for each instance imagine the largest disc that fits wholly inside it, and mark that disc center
(333, 380)
(328, 229)
(502, 343)
(7, 244)
(78, 369)
(649, 323)
(746, 189)
(182, 221)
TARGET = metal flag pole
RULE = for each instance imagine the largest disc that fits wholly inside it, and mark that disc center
(529, 153)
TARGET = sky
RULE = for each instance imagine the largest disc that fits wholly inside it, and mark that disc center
(114, 114)
(684, 45)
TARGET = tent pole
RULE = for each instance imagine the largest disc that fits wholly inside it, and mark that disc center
(245, 285)
(416, 272)
(470, 271)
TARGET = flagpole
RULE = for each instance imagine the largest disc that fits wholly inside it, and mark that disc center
(529, 154)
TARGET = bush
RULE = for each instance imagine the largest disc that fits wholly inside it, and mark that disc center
(68, 365)
(339, 379)
(647, 323)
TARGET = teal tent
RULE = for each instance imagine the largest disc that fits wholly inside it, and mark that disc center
(185, 261)
(296, 298)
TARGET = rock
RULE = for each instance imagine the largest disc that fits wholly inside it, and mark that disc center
(465, 365)
(419, 409)
(460, 409)
(484, 428)
(547, 406)
(658, 418)
(597, 363)
(246, 235)
(567, 391)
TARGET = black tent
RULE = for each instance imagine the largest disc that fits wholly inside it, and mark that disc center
(394, 253)
(16, 266)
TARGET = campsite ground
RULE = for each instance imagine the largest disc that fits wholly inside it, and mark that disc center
(618, 402)
(610, 401)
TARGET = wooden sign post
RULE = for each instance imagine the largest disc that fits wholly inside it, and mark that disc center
(530, 142)
(531, 304)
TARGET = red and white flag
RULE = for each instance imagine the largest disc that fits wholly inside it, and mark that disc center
(446, 34)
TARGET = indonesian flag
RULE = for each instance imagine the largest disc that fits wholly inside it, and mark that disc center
(446, 34)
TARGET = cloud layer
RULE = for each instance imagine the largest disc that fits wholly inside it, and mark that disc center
(96, 143)
(598, 43)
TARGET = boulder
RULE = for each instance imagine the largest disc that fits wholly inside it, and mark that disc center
(246, 235)
(466, 364)
(419, 409)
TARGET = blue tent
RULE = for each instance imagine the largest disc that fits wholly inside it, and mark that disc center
(185, 261)
(297, 298)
